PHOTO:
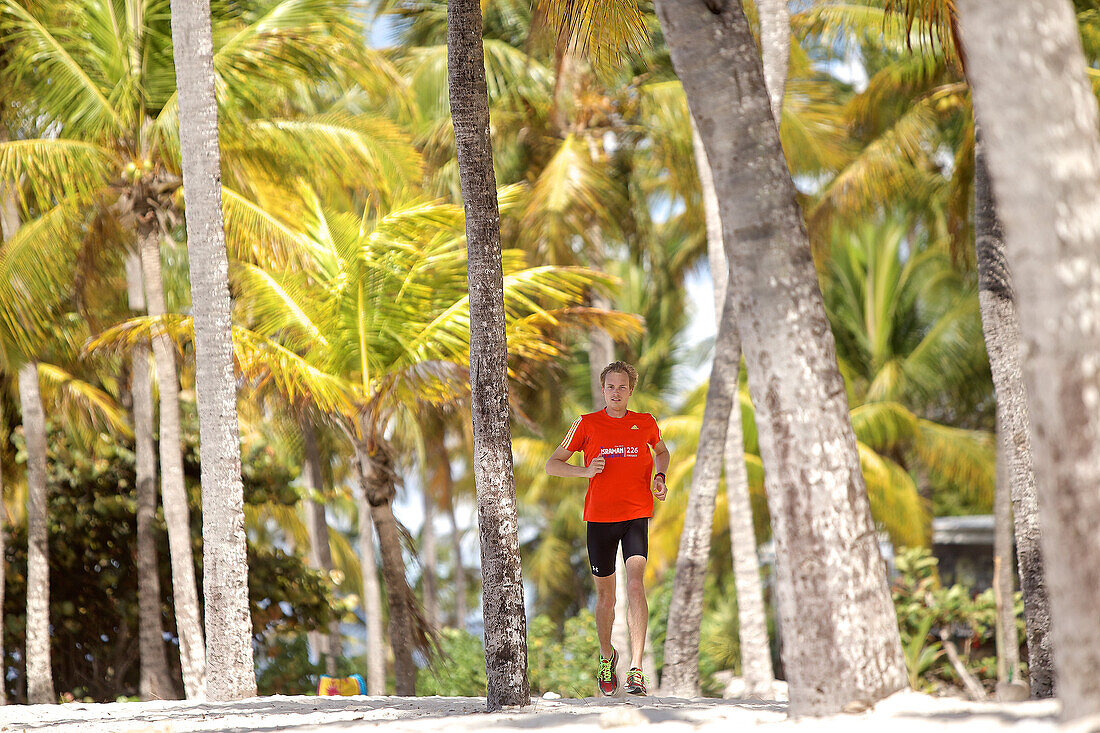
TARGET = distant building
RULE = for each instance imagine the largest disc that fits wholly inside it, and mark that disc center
(964, 548)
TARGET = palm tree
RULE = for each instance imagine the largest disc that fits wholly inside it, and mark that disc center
(109, 96)
(502, 588)
(1044, 205)
(231, 675)
(156, 684)
(791, 364)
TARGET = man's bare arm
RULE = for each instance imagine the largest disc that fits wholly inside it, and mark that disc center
(556, 465)
(661, 459)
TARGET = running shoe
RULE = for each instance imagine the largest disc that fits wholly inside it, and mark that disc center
(635, 682)
(605, 674)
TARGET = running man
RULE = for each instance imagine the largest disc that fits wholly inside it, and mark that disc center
(617, 463)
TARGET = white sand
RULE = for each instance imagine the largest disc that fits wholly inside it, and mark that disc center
(901, 713)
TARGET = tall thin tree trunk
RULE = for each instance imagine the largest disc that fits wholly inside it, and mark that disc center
(378, 486)
(320, 553)
(502, 584)
(372, 592)
(681, 671)
(155, 681)
(231, 673)
(1001, 324)
(756, 658)
(435, 456)
(1006, 641)
(841, 641)
(39, 673)
(459, 574)
(177, 516)
(9, 225)
(1039, 120)
(775, 50)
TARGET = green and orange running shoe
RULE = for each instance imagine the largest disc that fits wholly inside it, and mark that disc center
(635, 682)
(605, 674)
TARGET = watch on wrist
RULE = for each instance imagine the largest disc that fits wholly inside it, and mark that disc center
(659, 473)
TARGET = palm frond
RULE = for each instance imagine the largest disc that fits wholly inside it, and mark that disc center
(602, 29)
(44, 171)
(80, 400)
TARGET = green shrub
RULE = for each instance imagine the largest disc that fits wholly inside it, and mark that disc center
(460, 667)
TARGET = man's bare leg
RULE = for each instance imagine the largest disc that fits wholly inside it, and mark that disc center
(605, 611)
(638, 613)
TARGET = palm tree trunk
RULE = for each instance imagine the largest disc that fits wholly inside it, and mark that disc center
(502, 584)
(775, 50)
(1039, 120)
(39, 673)
(177, 515)
(155, 682)
(681, 672)
(232, 672)
(9, 224)
(756, 658)
(378, 477)
(320, 553)
(841, 641)
(1007, 643)
(459, 574)
(1002, 341)
(372, 593)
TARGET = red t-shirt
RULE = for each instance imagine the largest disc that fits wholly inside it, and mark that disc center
(622, 490)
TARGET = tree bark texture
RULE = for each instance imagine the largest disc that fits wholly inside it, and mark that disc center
(177, 516)
(155, 681)
(1039, 121)
(9, 225)
(775, 50)
(328, 645)
(681, 672)
(39, 672)
(372, 592)
(429, 562)
(841, 641)
(1001, 324)
(502, 586)
(756, 657)
(458, 579)
(379, 489)
(231, 674)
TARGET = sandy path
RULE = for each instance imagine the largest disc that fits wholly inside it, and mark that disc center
(901, 713)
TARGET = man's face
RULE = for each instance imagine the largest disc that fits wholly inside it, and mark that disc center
(616, 390)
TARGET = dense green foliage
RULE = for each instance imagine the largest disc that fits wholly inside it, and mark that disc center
(926, 608)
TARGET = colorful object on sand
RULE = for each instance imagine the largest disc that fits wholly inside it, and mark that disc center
(354, 685)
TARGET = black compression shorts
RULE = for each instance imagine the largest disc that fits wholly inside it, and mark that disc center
(604, 539)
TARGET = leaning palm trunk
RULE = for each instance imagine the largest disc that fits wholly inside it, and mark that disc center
(177, 516)
(320, 553)
(1002, 340)
(502, 585)
(9, 224)
(156, 682)
(39, 673)
(752, 628)
(1039, 120)
(681, 672)
(775, 50)
(372, 592)
(231, 672)
(841, 641)
(379, 478)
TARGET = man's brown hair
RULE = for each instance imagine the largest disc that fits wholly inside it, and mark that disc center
(622, 368)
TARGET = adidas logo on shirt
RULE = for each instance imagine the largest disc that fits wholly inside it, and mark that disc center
(633, 427)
